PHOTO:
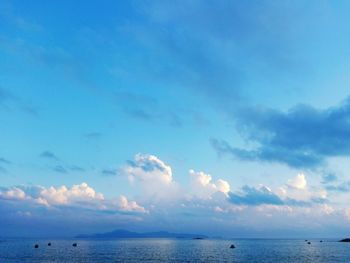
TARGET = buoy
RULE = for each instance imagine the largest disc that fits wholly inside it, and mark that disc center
(36, 246)
(74, 244)
(232, 246)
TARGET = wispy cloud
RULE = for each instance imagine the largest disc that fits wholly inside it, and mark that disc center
(146, 108)
(4, 161)
(93, 135)
(329, 178)
(49, 155)
(8, 100)
(109, 172)
(60, 169)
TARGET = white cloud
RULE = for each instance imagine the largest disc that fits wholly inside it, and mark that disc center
(154, 177)
(298, 182)
(127, 205)
(80, 195)
(296, 188)
(14, 193)
(203, 187)
(63, 195)
(149, 168)
(223, 186)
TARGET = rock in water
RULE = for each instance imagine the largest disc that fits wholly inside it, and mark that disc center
(36, 246)
(49, 244)
(309, 243)
(232, 246)
(345, 240)
(74, 244)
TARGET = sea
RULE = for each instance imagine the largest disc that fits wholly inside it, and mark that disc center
(173, 250)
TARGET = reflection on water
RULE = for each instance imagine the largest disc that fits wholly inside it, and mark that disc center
(173, 250)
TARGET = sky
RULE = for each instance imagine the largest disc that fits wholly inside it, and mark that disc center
(224, 118)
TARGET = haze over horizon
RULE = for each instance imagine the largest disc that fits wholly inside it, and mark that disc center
(221, 118)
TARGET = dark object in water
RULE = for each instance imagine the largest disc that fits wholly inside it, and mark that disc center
(74, 244)
(321, 241)
(309, 243)
(36, 246)
(305, 240)
(49, 244)
(232, 246)
(345, 240)
(198, 238)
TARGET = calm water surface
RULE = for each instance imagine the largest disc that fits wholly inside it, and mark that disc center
(173, 250)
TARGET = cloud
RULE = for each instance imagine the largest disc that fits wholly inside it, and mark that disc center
(60, 169)
(302, 137)
(329, 178)
(153, 176)
(203, 187)
(255, 196)
(78, 196)
(8, 100)
(12, 18)
(149, 168)
(298, 182)
(263, 195)
(14, 193)
(206, 43)
(156, 180)
(109, 172)
(76, 168)
(4, 161)
(146, 108)
(294, 193)
(49, 155)
(93, 135)
(206, 201)
(343, 187)
(131, 206)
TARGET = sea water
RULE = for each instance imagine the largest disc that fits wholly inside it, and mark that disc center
(173, 250)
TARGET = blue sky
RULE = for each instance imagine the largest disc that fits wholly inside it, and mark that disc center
(175, 115)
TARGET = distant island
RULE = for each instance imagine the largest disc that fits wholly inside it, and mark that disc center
(128, 234)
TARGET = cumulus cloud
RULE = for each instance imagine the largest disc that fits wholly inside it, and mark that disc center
(293, 193)
(14, 193)
(298, 182)
(127, 205)
(148, 168)
(301, 137)
(156, 180)
(203, 187)
(207, 200)
(153, 176)
(78, 196)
